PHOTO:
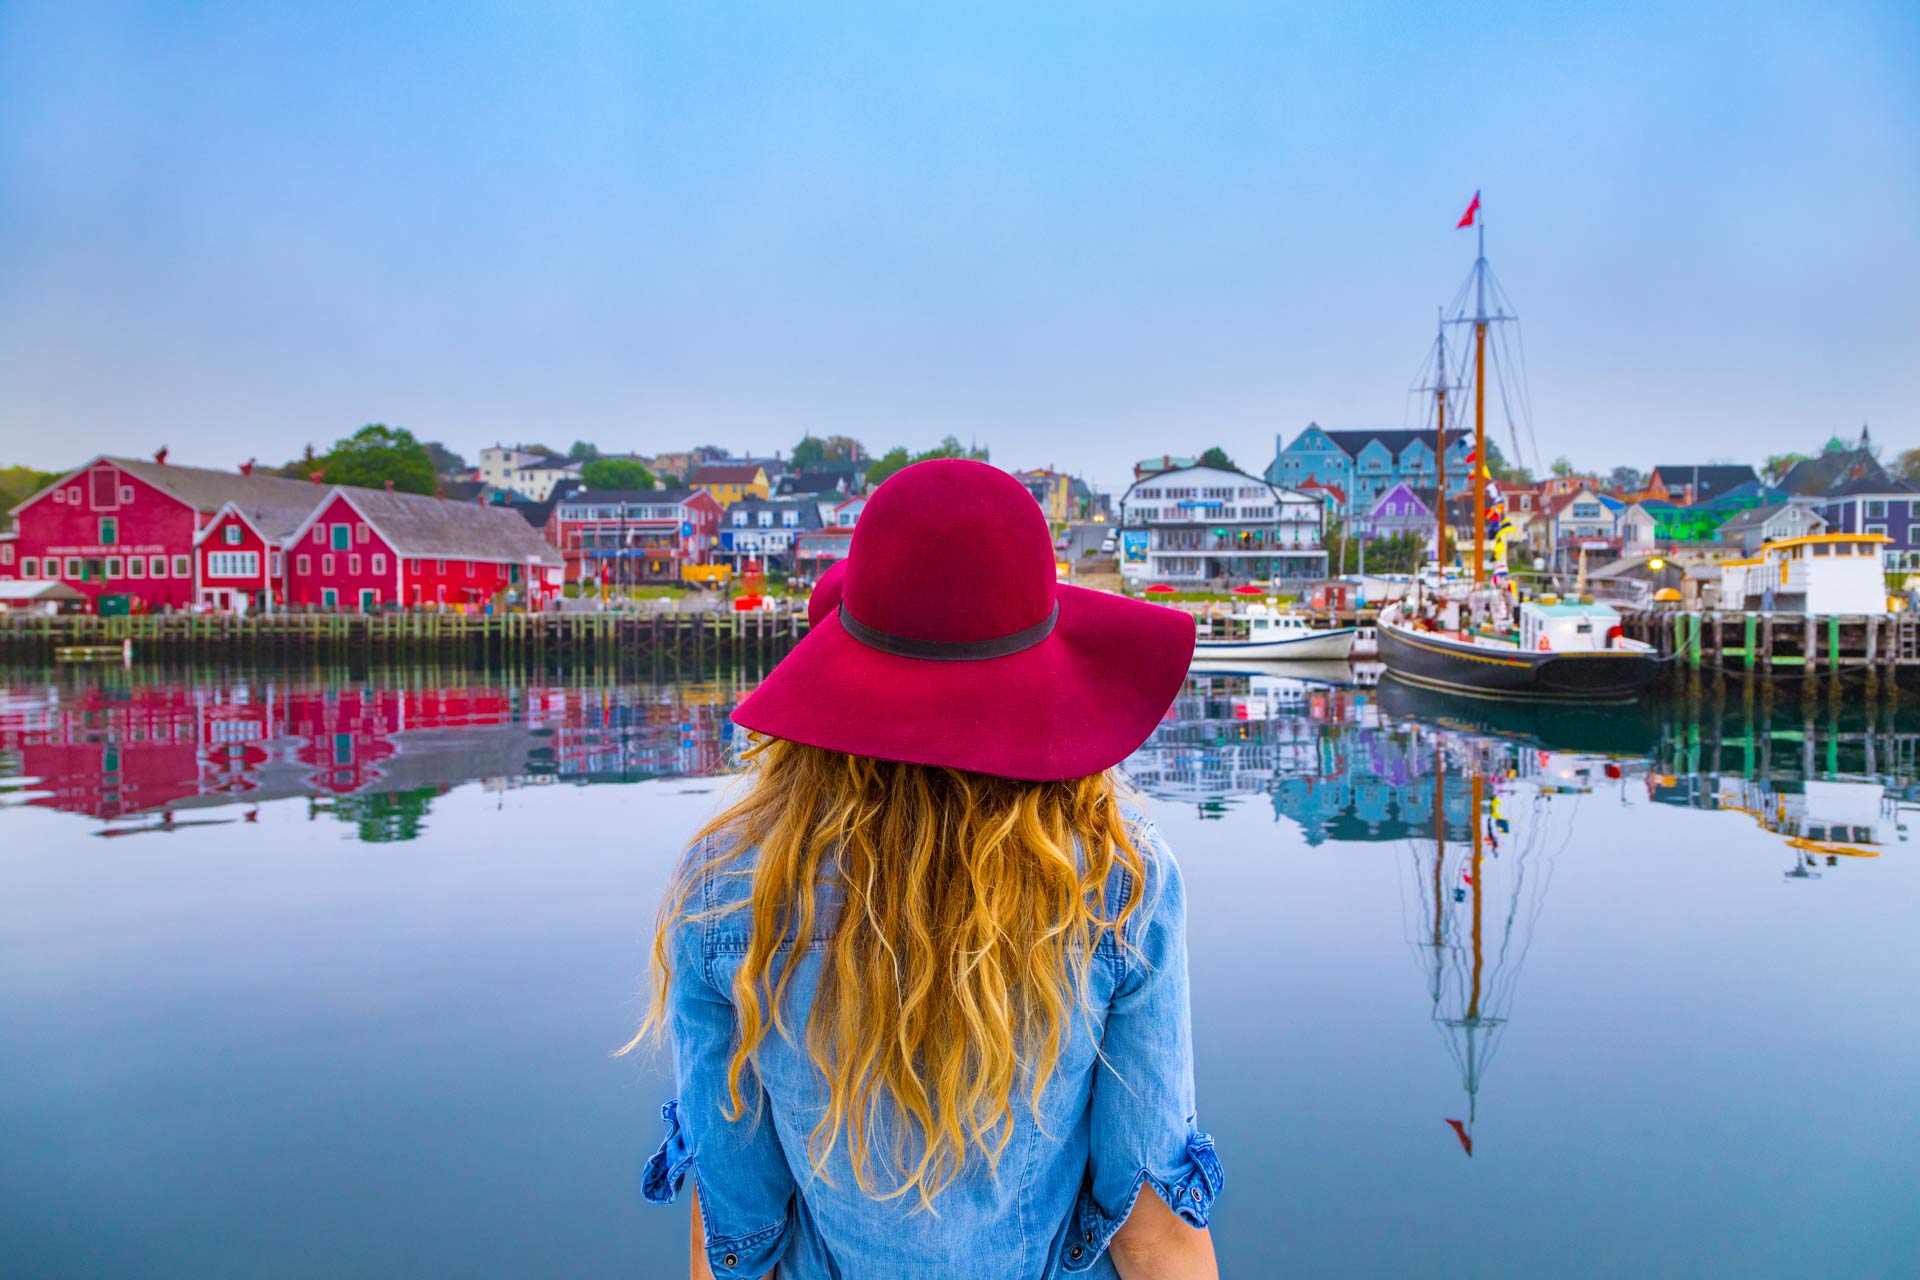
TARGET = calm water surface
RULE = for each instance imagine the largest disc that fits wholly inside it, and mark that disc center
(318, 976)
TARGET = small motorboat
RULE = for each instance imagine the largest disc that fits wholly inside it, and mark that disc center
(1263, 633)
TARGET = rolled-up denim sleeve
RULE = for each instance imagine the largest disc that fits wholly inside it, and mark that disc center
(746, 1189)
(1142, 1132)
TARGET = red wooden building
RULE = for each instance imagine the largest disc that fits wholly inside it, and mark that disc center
(364, 549)
(148, 535)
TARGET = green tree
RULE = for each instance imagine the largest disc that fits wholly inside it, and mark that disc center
(814, 452)
(445, 461)
(1217, 458)
(808, 454)
(375, 455)
(1500, 469)
(582, 451)
(1775, 468)
(1627, 479)
(886, 464)
(949, 447)
(1907, 465)
(616, 474)
(17, 484)
(386, 817)
(1562, 466)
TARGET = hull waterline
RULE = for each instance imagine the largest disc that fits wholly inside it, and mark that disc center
(1318, 646)
(1436, 662)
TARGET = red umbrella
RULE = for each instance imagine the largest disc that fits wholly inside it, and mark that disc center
(1160, 589)
(1249, 590)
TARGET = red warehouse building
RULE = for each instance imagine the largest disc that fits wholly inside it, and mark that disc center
(147, 535)
(124, 532)
(365, 549)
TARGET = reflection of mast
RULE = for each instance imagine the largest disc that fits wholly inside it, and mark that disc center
(1477, 949)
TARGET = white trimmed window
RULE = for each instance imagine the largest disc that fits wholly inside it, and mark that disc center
(29, 566)
(232, 535)
(379, 562)
(233, 564)
(353, 562)
(73, 568)
(116, 567)
(157, 566)
(303, 565)
(6, 553)
(136, 566)
(182, 567)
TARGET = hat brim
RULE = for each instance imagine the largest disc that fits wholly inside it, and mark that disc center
(1077, 703)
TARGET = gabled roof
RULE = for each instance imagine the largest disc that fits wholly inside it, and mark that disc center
(418, 526)
(1870, 485)
(1708, 481)
(202, 488)
(1395, 442)
(1755, 517)
(726, 473)
(1320, 486)
(273, 517)
(1818, 477)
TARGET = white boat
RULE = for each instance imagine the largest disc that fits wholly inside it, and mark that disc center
(1262, 633)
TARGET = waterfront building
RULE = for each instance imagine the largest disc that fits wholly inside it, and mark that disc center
(1819, 573)
(1836, 466)
(765, 529)
(1053, 490)
(369, 549)
(818, 550)
(1365, 465)
(731, 482)
(124, 531)
(1201, 524)
(629, 537)
(1881, 505)
(1775, 522)
(530, 473)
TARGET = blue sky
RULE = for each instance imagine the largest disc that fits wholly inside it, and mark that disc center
(1078, 233)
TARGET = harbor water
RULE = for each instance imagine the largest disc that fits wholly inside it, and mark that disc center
(320, 974)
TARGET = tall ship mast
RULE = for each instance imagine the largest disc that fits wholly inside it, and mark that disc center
(1480, 636)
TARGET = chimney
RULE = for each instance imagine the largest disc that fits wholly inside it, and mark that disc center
(317, 476)
(389, 486)
(161, 456)
(246, 468)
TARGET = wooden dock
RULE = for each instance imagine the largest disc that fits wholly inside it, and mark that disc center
(1717, 647)
(692, 637)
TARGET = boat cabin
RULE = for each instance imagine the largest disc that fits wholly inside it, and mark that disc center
(1255, 622)
(1818, 573)
(1568, 628)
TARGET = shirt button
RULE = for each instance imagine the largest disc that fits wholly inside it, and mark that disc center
(1076, 1253)
(731, 1260)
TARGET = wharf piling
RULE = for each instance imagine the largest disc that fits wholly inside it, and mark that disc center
(1814, 652)
(691, 636)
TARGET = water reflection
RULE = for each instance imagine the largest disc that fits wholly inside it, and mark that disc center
(1342, 759)
(155, 755)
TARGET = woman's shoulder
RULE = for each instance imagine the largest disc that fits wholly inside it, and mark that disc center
(1158, 885)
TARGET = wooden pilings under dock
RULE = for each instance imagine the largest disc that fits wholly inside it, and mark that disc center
(1715, 647)
(693, 636)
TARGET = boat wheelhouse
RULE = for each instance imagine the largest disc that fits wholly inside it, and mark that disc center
(1264, 633)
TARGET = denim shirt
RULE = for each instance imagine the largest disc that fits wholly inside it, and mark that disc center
(1116, 1118)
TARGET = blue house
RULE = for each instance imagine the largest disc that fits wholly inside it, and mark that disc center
(1867, 505)
(1367, 464)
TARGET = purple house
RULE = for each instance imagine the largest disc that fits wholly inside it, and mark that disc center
(1401, 509)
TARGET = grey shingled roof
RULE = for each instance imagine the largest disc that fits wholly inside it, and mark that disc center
(415, 525)
(1352, 442)
(207, 490)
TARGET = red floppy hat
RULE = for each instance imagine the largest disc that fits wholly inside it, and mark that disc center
(952, 643)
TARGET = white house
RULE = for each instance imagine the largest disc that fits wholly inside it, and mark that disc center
(529, 473)
(1198, 524)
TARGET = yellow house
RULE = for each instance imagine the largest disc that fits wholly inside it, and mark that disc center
(730, 483)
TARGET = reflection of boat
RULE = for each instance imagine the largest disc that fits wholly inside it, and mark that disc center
(1591, 728)
(1262, 633)
(1324, 673)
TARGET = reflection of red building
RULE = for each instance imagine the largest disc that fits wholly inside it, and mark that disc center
(115, 753)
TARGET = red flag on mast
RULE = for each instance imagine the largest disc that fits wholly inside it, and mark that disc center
(1466, 219)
